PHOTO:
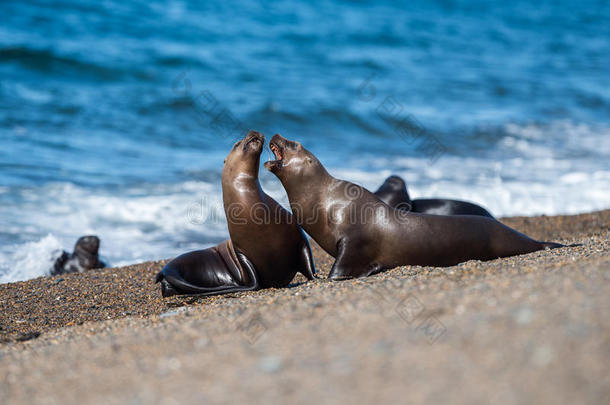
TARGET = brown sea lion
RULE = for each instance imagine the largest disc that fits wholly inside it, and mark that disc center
(85, 257)
(393, 192)
(367, 236)
(267, 248)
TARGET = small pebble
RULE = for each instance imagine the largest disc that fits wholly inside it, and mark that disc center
(523, 315)
(270, 364)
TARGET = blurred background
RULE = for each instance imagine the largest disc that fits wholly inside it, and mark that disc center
(115, 116)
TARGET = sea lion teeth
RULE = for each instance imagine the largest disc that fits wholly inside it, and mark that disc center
(276, 151)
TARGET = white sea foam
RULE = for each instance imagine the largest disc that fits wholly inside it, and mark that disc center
(560, 168)
(505, 188)
(141, 225)
(29, 260)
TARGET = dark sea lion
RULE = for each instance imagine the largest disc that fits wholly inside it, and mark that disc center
(393, 192)
(217, 270)
(85, 257)
(267, 248)
(367, 236)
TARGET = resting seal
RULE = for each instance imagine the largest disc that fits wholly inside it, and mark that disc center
(367, 236)
(393, 192)
(267, 248)
(85, 257)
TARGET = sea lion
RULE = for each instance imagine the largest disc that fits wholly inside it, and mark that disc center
(217, 270)
(267, 248)
(367, 236)
(393, 192)
(85, 257)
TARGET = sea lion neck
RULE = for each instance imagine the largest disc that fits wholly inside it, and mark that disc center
(241, 187)
(309, 187)
(240, 177)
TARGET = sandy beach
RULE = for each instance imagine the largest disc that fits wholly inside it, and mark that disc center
(528, 329)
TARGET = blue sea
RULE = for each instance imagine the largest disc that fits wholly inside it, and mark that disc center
(115, 116)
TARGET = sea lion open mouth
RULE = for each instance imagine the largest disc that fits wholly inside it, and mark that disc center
(277, 146)
(277, 151)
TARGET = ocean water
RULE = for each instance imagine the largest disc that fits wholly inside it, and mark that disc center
(115, 116)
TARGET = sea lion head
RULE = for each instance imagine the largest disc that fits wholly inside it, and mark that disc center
(292, 160)
(394, 183)
(394, 192)
(86, 250)
(89, 244)
(244, 157)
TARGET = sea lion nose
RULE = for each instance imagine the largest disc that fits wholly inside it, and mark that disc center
(254, 134)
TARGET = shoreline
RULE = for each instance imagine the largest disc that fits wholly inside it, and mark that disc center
(81, 292)
(536, 321)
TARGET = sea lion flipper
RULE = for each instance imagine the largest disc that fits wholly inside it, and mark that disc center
(58, 266)
(554, 245)
(172, 283)
(208, 272)
(348, 264)
(308, 268)
(249, 269)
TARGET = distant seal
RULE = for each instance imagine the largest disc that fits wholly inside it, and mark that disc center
(393, 192)
(85, 257)
(367, 236)
(267, 248)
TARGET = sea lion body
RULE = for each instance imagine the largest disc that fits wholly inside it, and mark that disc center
(366, 236)
(393, 192)
(216, 270)
(267, 247)
(84, 257)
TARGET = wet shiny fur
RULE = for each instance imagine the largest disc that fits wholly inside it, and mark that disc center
(366, 236)
(267, 248)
